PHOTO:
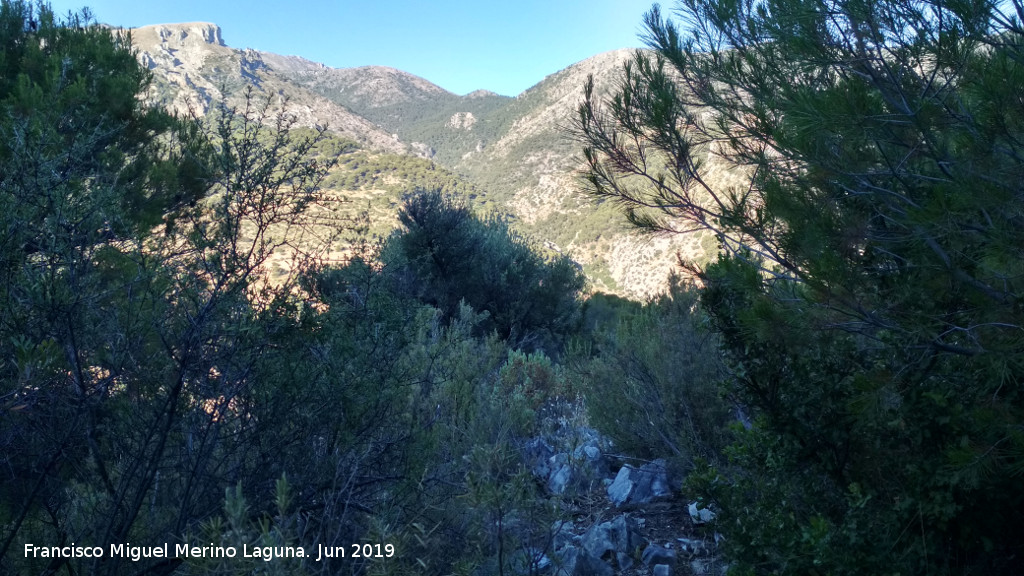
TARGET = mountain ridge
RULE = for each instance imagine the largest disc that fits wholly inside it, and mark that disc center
(514, 149)
(190, 75)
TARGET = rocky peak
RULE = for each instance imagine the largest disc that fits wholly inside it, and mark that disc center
(178, 47)
(187, 33)
(252, 61)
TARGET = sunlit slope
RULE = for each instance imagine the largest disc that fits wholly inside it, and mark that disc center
(193, 68)
(515, 153)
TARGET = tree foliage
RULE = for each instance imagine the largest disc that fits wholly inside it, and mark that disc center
(73, 121)
(158, 386)
(133, 316)
(449, 255)
(869, 291)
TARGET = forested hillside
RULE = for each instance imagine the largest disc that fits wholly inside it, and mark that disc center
(234, 340)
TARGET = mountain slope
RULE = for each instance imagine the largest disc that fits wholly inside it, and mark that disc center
(518, 150)
(193, 68)
(437, 121)
(515, 151)
(532, 166)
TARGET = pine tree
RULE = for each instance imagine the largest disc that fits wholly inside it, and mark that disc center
(869, 288)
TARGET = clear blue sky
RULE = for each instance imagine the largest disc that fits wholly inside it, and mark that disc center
(460, 45)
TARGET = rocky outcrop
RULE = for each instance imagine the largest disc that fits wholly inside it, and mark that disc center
(193, 69)
(178, 33)
(461, 121)
(639, 485)
(574, 463)
(614, 542)
(568, 464)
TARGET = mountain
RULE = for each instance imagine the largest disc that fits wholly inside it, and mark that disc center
(432, 118)
(193, 68)
(514, 153)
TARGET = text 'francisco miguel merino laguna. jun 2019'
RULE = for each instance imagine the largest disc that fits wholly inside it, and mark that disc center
(265, 553)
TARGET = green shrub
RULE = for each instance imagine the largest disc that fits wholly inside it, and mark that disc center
(446, 255)
(650, 379)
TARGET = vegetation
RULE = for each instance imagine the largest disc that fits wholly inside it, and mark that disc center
(449, 257)
(442, 122)
(186, 359)
(649, 374)
(133, 314)
(869, 293)
(396, 174)
(156, 388)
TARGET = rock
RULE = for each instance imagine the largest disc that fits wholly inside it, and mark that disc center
(699, 567)
(661, 570)
(565, 560)
(567, 462)
(651, 482)
(655, 554)
(559, 480)
(422, 150)
(590, 452)
(613, 540)
(585, 435)
(565, 473)
(530, 561)
(461, 121)
(536, 452)
(622, 487)
(700, 515)
(562, 534)
(640, 485)
(691, 547)
(588, 459)
(575, 562)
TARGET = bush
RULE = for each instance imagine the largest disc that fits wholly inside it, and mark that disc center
(446, 255)
(651, 381)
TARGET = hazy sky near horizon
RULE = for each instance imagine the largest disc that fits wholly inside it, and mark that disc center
(460, 45)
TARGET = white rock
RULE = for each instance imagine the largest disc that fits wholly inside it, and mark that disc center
(700, 515)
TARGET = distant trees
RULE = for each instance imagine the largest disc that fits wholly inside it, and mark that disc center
(869, 291)
(380, 171)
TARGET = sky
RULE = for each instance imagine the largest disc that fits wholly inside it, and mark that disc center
(461, 45)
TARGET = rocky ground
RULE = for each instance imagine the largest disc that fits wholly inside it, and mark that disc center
(620, 515)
